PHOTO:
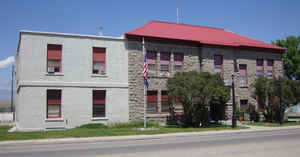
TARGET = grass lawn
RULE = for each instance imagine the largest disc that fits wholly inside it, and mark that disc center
(92, 130)
(286, 123)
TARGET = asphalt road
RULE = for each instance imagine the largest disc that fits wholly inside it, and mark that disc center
(275, 143)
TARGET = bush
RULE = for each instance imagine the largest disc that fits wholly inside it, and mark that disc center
(196, 92)
(93, 126)
(268, 93)
(254, 114)
(5, 109)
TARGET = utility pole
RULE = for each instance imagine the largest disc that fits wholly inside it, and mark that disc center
(177, 16)
(281, 107)
(233, 103)
(12, 89)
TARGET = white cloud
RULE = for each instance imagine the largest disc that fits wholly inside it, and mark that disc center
(8, 61)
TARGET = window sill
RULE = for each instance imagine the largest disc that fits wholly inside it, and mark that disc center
(99, 118)
(54, 120)
(98, 75)
(54, 74)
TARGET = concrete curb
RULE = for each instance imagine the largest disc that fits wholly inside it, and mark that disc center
(138, 137)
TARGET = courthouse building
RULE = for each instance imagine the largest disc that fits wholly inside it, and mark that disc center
(66, 80)
(175, 47)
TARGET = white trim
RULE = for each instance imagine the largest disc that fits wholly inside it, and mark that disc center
(54, 120)
(70, 34)
(54, 74)
(98, 75)
(72, 84)
(99, 118)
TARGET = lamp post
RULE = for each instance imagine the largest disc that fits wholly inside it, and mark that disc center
(233, 103)
(12, 90)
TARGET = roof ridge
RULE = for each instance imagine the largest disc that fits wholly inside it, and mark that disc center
(187, 24)
(252, 39)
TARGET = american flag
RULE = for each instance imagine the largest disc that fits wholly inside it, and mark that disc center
(145, 71)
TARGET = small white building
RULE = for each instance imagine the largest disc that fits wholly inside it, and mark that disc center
(66, 80)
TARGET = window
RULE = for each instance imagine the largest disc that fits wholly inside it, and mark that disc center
(54, 58)
(270, 69)
(151, 101)
(243, 105)
(99, 60)
(164, 101)
(164, 63)
(218, 62)
(151, 60)
(53, 103)
(178, 62)
(260, 67)
(99, 103)
(243, 75)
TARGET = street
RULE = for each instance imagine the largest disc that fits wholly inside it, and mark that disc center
(275, 143)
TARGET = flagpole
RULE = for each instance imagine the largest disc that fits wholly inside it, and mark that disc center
(145, 91)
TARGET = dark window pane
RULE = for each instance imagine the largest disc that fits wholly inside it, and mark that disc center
(54, 94)
(270, 62)
(259, 62)
(218, 60)
(99, 103)
(98, 110)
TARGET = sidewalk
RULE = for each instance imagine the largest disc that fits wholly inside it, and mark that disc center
(139, 137)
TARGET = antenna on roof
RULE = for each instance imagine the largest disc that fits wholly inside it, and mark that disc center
(100, 31)
(177, 16)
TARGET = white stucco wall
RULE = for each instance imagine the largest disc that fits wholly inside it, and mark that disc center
(75, 80)
(76, 107)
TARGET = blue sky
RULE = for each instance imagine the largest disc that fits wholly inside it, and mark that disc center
(263, 20)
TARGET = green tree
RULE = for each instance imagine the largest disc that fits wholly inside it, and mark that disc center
(291, 57)
(196, 92)
(267, 93)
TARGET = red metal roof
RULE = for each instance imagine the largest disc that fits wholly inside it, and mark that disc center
(204, 35)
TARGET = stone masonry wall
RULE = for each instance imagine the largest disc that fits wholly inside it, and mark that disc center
(157, 82)
(197, 59)
(242, 57)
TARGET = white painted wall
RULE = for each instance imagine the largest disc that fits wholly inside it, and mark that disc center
(76, 59)
(76, 81)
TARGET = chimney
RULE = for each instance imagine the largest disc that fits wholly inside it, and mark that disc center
(100, 31)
